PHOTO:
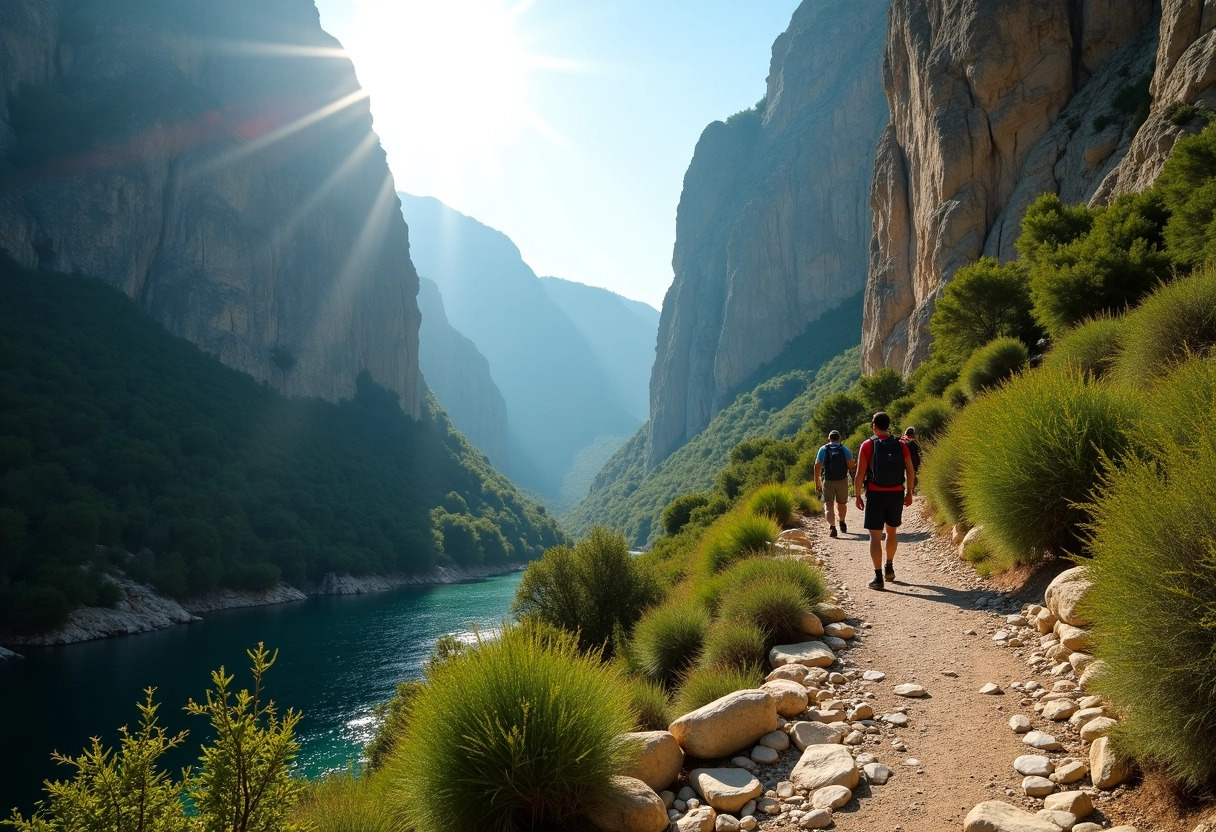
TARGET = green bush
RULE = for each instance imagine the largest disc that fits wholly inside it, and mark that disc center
(394, 720)
(668, 639)
(940, 475)
(838, 412)
(807, 501)
(899, 408)
(982, 302)
(956, 395)
(1188, 186)
(1090, 349)
(531, 725)
(933, 377)
(776, 607)
(1154, 534)
(679, 511)
(1032, 456)
(734, 645)
(341, 802)
(704, 685)
(809, 580)
(1180, 407)
(993, 364)
(930, 419)
(737, 535)
(880, 389)
(775, 501)
(1174, 323)
(649, 704)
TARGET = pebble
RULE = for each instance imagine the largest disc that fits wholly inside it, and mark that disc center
(873, 676)
(726, 823)
(1059, 710)
(744, 763)
(1019, 724)
(817, 819)
(897, 719)
(764, 755)
(910, 690)
(1069, 771)
(876, 773)
(831, 797)
(1042, 741)
(911, 761)
(1037, 786)
(991, 689)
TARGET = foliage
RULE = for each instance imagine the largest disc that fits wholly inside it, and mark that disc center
(807, 501)
(649, 704)
(340, 802)
(734, 645)
(956, 395)
(993, 364)
(394, 720)
(899, 408)
(703, 685)
(668, 639)
(838, 412)
(1090, 349)
(774, 606)
(933, 377)
(984, 301)
(530, 725)
(1154, 571)
(734, 536)
(930, 419)
(1174, 323)
(1180, 406)
(679, 511)
(1187, 185)
(808, 580)
(940, 475)
(775, 501)
(880, 389)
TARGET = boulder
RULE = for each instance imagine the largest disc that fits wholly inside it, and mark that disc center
(700, 819)
(809, 653)
(995, 816)
(840, 630)
(726, 725)
(1080, 661)
(660, 760)
(1096, 727)
(1059, 710)
(1033, 764)
(1106, 768)
(1069, 771)
(725, 789)
(1076, 803)
(629, 806)
(793, 672)
(831, 613)
(1074, 638)
(811, 625)
(816, 819)
(831, 797)
(1065, 594)
(790, 696)
(1085, 715)
(777, 740)
(1037, 786)
(825, 765)
(806, 734)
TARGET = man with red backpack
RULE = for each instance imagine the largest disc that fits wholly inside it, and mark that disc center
(884, 465)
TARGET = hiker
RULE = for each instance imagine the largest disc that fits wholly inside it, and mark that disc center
(885, 463)
(834, 466)
(913, 448)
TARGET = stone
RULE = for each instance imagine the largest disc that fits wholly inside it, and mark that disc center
(790, 696)
(1090, 702)
(816, 819)
(876, 773)
(1059, 710)
(725, 789)
(1089, 827)
(840, 630)
(854, 738)
(701, 819)
(659, 761)
(825, 765)
(1019, 724)
(794, 672)
(1097, 727)
(1080, 661)
(910, 690)
(1069, 772)
(1107, 769)
(1095, 669)
(809, 653)
(831, 613)
(896, 719)
(1073, 638)
(1033, 764)
(862, 711)
(764, 755)
(745, 763)
(1042, 741)
(1037, 786)
(1084, 715)
(873, 676)
(991, 689)
(834, 643)
(726, 823)
(1077, 803)
(1065, 593)
(629, 806)
(996, 816)
(811, 625)
(806, 734)
(776, 740)
(1062, 820)
(748, 822)
(831, 797)
(727, 724)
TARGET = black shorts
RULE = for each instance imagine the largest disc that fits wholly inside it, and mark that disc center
(884, 508)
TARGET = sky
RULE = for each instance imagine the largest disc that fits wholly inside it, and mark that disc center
(566, 124)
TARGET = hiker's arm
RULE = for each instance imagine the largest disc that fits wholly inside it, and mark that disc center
(863, 460)
(818, 470)
(911, 474)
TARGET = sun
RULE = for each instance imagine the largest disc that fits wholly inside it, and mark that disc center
(448, 81)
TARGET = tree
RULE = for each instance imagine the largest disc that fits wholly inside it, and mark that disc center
(880, 389)
(984, 301)
(1188, 187)
(840, 411)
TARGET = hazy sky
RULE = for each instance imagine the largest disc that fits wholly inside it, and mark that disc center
(566, 124)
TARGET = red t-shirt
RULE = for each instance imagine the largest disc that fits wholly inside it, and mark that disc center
(863, 464)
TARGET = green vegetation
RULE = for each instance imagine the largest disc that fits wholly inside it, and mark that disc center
(344, 803)
(705, 684)
(775, 501)
(1090, 349)
(773, 606)
(737, 535)
(930, 417)
(994, 363)
(734, 645)
(982, 302)
(123, 447)
(668, 639)
(649, 704)
(1175, 323)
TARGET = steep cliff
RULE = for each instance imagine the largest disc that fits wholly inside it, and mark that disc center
(774, 220)
(215, 160)
(992, 102)
(459, 376)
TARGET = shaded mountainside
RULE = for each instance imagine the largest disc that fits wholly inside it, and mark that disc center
(773, 225)
(117, 437)
(560, 399)
(620, 331)
(214, 160)
(459, 376)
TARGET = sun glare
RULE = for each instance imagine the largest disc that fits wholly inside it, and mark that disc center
(448, 81)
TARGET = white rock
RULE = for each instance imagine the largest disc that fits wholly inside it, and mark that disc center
(805, 734)
(1062, 820)
(660, 758)
(725, 789)
(1074, 638)
(1077, 803)
(764, 755)
(840, 630)
(1037, 786)
(1065, 593)
(726, 725)
(873, 676)
(698, 820)
(1097, 727)
(1095, 669)
(816, 819)
(1069, 771)
(910, 690)
(629, 806)
(995, 816)
(789, 695)
(777, 740)
(825, 765)
(809, 653)
(831, 797)
(831, 613)
(1019, 724)
(876, 773)
(1084, 715)
(1080, 661)
(854, 738)
(726, 823)
(862, 711)
(1033, 764)
(1042, 741)
(897, 719)
(1088, 827)
(1059, 710)
(793, 672)
(1106, 768)
(785, 790)
(991, 689)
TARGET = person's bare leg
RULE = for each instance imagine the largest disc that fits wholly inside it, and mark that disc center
(841, 508)
(829, 506)
(876, 548)
(892, 542)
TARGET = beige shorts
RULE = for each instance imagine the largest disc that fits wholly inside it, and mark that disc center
(836, 491)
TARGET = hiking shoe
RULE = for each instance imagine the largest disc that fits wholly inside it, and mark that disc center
(831, 531)
(888, 571)
(877, 583)
(843, 528)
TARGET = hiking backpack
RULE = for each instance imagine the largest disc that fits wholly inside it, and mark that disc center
(886, 462)
(835, 465)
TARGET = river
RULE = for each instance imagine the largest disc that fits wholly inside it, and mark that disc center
(338, 658)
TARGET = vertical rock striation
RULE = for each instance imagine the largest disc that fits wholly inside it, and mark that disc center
(773, 222)
(215, 160)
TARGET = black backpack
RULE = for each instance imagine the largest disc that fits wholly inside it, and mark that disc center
(886, 462)
(835, 465)
(914, 450)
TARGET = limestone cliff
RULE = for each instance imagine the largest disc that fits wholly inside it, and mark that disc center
(215, 160)
(773, 223)
(992, 102)
(459, 376)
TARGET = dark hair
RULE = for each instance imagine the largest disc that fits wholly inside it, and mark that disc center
(910, 431)
(882, 421)
(834, 436)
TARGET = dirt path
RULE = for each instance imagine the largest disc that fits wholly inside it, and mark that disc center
(933, 626)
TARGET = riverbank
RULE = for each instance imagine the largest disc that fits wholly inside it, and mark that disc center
(142, 610)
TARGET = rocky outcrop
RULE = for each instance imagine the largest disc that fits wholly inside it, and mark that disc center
(460, 378)
(773, 222)
(215, 160)
(992, 103)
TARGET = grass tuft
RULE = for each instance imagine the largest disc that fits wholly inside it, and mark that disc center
(668, 639)
(1090, 349)
(809, 581)
(703, 685)
(930, 418)
(1176, 322)
(342, 803)
(775, 501)
(994, 363)
(737, 535)
(734, 645)
(774, 606)
(649, 704)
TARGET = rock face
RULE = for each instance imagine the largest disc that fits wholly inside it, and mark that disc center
(459, 376)
(209, 196)
(992, 103)
(773, 222)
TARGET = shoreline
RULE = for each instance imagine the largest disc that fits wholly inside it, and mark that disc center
(142, 610)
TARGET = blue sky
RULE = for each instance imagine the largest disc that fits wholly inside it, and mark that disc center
(566, 124)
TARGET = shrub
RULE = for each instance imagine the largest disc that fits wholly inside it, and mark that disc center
(734, 645)
(342, 803)
(679, 511)
(774, 606)
(668, 639)
(994, 363)
(775, 501)
(394, 720)
(1181, 407)
(1188, 186)
(933, 377)
(735, 536)
(1090, 349)
(1032, 456)
(930, 419)
(1180, 113)
(649, 704)
(808, 501)
(1154, 572)
(1174, 323)
(532, 725)
(880, 389)
(956, 395)
(984, 301)
(899, 408)
(806, 578)
(940, 477)
(703, 685)
(838, 412)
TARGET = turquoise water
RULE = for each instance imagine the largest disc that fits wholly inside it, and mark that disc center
(338, 657)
